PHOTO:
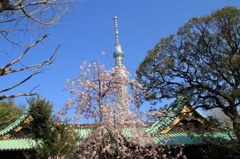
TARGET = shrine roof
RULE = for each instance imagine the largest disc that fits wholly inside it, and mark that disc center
(18, 144)
(15, 124)
(172, 113)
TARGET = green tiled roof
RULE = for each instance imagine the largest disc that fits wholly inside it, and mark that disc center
(18, 144)
(178, 138)
(176, 108)
(15, 124)
(174, 138)
(84, 132)
(170, 138)
(201, 114)
(173, 111)
(184, 138)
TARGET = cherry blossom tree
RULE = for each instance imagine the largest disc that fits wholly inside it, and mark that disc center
(109, 100)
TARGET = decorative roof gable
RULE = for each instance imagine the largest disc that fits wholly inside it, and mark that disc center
(178, 111)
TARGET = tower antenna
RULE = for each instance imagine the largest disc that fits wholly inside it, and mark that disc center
(118, 53)
(116, 29)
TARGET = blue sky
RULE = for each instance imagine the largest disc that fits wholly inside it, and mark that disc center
(89, 30)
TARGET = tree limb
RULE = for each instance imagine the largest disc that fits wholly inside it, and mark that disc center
(38, 66)
(24, 53)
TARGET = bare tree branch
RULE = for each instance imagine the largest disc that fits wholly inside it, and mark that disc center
(26, 15)
(47, 62)
(17, 18)
(9, 39)
(24, 53)
(16, 95)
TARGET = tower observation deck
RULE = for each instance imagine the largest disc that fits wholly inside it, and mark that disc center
(118, 53)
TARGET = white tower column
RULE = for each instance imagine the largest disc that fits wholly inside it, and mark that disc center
(122, 95)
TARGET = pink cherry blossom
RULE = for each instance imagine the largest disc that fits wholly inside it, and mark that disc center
(109, 100)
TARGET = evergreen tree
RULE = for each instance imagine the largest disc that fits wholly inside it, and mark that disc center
(9, 112)
(58, 137)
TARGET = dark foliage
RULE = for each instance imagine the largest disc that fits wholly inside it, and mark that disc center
(58, 137)
(201, 61)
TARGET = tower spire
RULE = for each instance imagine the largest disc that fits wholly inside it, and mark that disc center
(116, 29)
(118, 53)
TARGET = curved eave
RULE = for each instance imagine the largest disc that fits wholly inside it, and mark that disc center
(16, 126)
(201, 114)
